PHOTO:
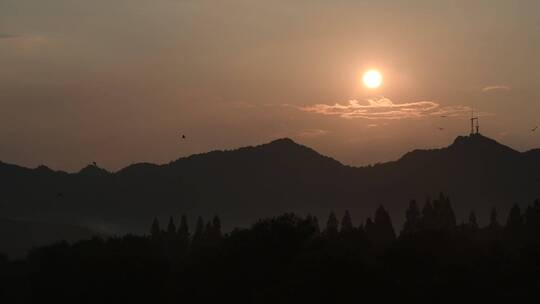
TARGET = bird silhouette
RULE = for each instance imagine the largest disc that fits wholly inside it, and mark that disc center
(440, 129)
(443, 116)
(183, 136)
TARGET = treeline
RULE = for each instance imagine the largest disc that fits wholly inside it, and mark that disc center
(435, 215)
(179, 240)
(292, 258)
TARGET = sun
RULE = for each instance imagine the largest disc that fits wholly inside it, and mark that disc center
(372, 79)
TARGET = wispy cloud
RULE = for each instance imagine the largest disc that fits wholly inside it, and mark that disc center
(496, 88)
(384, 108)
(311, 133)
(453, 111)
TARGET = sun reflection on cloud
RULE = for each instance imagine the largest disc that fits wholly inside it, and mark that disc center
(385, 108)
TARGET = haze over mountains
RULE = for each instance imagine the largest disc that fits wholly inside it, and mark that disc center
(17, 237)
(242, 185)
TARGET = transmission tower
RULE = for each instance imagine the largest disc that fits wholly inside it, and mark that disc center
(475, 124)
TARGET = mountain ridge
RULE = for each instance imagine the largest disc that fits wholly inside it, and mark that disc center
(280, 176)
(459, 141)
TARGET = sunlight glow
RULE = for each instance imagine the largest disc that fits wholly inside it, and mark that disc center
(372, 79)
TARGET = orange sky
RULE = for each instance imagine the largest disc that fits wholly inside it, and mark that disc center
(116, 82)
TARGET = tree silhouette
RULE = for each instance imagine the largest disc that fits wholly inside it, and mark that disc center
(443, 215)
(515, 223)
(532, 219)
(473, 224)
(448, 214)
(316, 226)
(413, 220)
(208, 233)
(369, 228)
(214, 234)
(183, 228)
(182, 235)
(155, 230)
(199, 234)
(383, 222)
(428, 216)
(284, 253)
(493, 220)
(381, 231)
(312, 224)
(171, 228)
(346, 223)
(361, 229)
(332, 225)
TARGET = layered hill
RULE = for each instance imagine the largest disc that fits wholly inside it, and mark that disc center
(242, 185)
(18, 237)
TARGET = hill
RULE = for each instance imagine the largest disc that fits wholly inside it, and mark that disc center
(242, 185)
(17, 237)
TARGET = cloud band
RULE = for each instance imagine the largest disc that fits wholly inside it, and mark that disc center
(384, 108)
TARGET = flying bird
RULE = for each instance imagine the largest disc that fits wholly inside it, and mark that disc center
(440, 129)
(183, 136)
(443, 116)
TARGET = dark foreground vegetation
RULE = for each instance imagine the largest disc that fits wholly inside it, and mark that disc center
(290, 259)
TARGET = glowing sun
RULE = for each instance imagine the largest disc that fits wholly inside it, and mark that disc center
(372, 79)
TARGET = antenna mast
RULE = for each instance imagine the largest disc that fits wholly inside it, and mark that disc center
(475, 124)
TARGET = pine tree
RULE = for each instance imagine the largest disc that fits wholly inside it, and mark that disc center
(316, 226)
(428, 216)
(155, 230)
(448, 217)
(532, 219)
(493, 221)
(494, 229)
(171, 228)
(346, 223)
(332, 225)
(412, 219)
(216, 229)
(384, 228)
(183, 228)
(199, 234)
(473, 224)
(208, 231)
(361, 232)
(312, 225)
(183, 234)
(369, 228)
(514, 224)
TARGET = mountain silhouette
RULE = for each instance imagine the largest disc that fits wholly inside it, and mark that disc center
(17, 237)
(242, 185)
(92, 170)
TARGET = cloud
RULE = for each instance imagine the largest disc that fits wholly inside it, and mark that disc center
(311, 133)
(384, 108)
(453, 111)
(496, 88)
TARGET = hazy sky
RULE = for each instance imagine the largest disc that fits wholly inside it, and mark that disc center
(117, 81)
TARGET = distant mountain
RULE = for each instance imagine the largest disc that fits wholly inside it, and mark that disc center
(17, 237)
(245, 184)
